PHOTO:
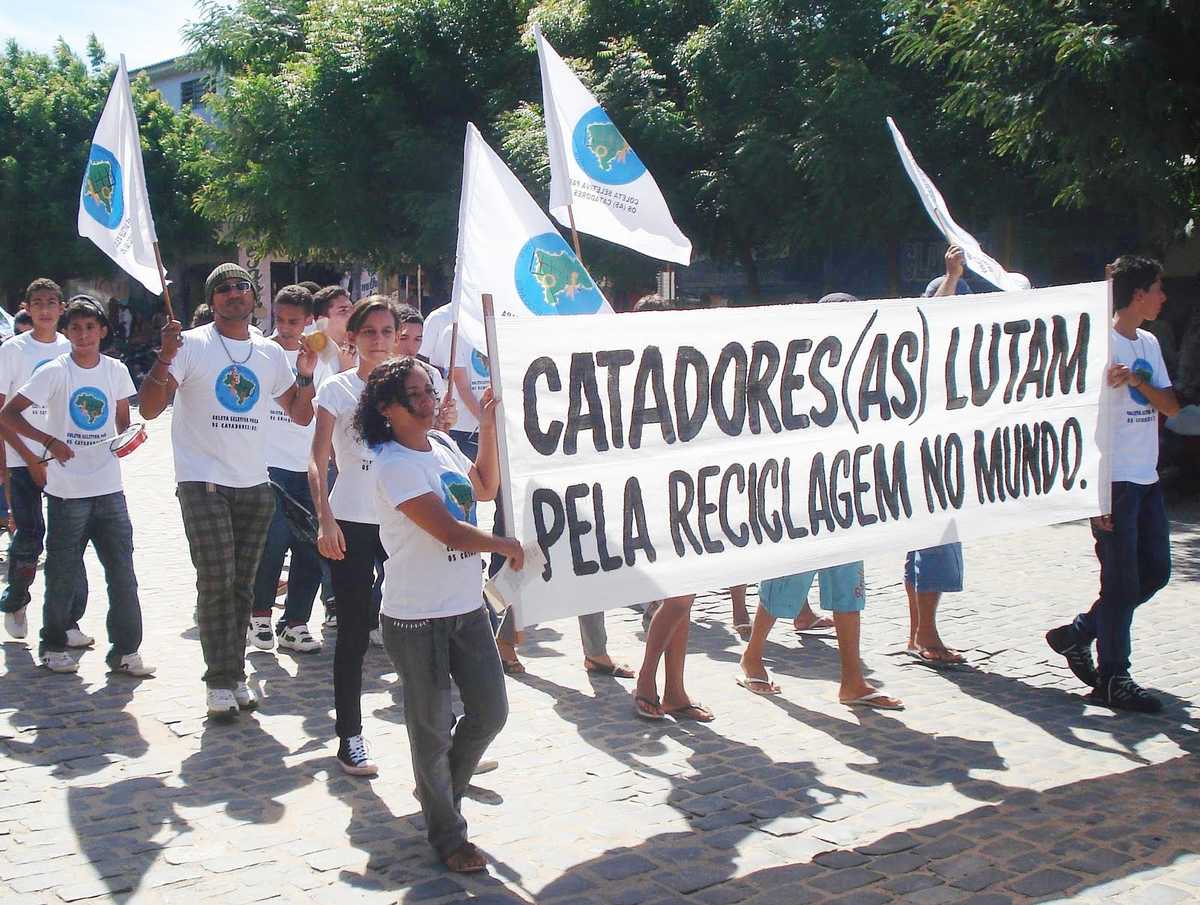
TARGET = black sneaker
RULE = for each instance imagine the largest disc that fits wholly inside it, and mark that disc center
(354, 758)
(1077, 654)
(1122, 693)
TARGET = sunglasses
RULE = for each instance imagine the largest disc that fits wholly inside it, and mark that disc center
(239, 285)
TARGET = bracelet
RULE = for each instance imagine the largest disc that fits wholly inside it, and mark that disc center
(158, 359)
(303, 381)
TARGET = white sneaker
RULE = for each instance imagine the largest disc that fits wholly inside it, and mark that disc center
(76, 638)
(353, 756)
(260, 633)
(59, 661)
(222, 705)
(298, 638)
(245, 697)
(16, 624)
(132, 665)
(377, 637)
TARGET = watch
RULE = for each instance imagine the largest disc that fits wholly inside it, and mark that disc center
(302, 381)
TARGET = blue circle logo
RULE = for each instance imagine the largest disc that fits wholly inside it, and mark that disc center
(479, 364)
(602, 150)
(237, 388)
(89, 408)
(103, 189)
(1145, 371)
(44, 361)
(458, 496)
(550, 279)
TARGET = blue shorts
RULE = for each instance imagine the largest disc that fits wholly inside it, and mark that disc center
(935, 570)
(843, 590)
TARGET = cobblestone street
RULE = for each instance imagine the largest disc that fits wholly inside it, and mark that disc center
(998, 784)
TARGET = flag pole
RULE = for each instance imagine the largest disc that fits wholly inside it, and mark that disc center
(453, 353)
(574, 234)
(162, 275)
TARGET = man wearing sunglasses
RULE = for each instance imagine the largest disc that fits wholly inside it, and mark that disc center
(224, 376)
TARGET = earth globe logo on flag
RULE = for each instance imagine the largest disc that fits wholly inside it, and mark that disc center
(550, 279)
(602, 150)
(479, 364)
(103, 189)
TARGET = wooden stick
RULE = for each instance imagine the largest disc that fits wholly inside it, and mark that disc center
(453, 352)
(162, 275)
(504, 498)
(574, 234)
(419, 296)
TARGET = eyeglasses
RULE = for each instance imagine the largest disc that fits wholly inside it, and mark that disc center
(239, 285)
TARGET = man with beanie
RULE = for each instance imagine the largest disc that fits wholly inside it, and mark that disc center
(224, 376)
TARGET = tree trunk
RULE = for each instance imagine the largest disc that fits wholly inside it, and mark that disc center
(750, 269)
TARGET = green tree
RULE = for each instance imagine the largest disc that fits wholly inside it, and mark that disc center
(49, 107)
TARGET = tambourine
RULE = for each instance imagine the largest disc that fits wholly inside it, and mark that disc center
(128, 440)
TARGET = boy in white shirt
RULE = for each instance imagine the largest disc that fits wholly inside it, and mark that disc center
(19, 358)
(86, 399)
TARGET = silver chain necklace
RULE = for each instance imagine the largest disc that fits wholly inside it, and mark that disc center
(233, 360)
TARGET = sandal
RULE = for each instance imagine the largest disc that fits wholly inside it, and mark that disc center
(877, 700)
(755, 685)
(466, 859)
(937, 657)
(608, 669)
(743, 629)
(647, 708)
(693, 711)
(820, 624)
(513, 667)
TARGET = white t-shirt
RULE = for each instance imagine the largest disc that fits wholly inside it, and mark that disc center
(289, 444)
(82, 407)
(19, 358)
(226, 387)
(476, 365)
(426, 579)
(431, 337)
(353, 495)
(1134, 419)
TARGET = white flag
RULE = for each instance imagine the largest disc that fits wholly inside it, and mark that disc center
(935, 205)
(595, 171)
(114, 206)
(509, 248)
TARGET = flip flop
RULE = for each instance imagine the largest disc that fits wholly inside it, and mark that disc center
(743, 629)
(755, 685)
(646, 707)
(821, 624)
(608, 669)
(877, 700)
(694, 711)
(513, 667)
(925, 655)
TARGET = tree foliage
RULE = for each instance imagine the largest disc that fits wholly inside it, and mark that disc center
(49, 107)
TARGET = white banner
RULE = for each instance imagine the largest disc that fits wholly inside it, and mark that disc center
(507, 247)
(595, 171)
(935, 205)
(114, 205)
(666, 453)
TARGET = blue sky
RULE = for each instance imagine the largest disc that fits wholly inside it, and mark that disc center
(144, 32)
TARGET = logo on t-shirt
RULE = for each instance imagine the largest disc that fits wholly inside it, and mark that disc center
(1145, 371)
(479, 364)
(237, 388)
(458, 496)
(44, 361)
(89, 408)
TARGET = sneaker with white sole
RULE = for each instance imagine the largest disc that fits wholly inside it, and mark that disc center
(298, 638)
(59, 661)
(330, 620)
(260, 633)
(76, 638)
(1122, 693)
(377, 637)
(245, 697)
(222, 705)
(132, 665)
(16, 624)
(354, 758)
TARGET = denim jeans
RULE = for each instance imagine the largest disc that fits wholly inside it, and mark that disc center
(1135, 563)
(428, 653)
(25, 503)
(104, 520)
(353, 580)
(304, 574)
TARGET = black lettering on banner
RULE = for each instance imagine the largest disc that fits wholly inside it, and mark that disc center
(679, 510)
(840, 467)
(907, 349)
(818, 497)
(953, 399)
(689, 423)
(789, 383)
(544, 442)
(582, 384)
(891, 494)
(1014, 329)
(608, 562)
(1069, 365)
(634, 535)
(577, 527)
(794, 531)
(732, 355)
(1025, 459)
(989, 469)
(613, 360)
(830, 347)
(764, 364)
(705, 508)
(1039, 357)
(752, 502)
(942, 472)
(650, 374)
(872, 391)
(1031, 459)
(740, 537)
(861, 487)
(980, 393)
(1049, 457)
(543, 498)
(772, 527)
(1072, 451)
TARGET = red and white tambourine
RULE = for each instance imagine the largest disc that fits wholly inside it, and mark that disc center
(128, 440)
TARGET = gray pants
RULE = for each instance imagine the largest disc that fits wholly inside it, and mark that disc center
(592, 633)
(428, 653)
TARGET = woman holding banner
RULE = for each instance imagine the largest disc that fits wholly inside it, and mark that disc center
(435, 628)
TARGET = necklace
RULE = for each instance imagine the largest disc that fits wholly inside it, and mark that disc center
(1138, 346)
(233, 360)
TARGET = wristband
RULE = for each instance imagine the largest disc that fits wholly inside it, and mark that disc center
(302, 381)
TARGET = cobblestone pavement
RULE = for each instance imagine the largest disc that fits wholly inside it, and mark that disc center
(998, 783)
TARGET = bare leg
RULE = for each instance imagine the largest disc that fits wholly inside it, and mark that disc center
(923, 637)
(662, 628)
(854, 684)
(741, 616)
(752, 664)
(675, 656)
